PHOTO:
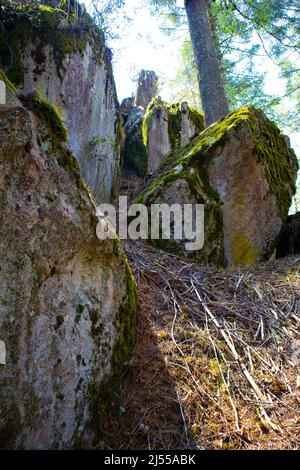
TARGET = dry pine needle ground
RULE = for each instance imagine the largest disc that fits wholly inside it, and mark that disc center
(216, 361)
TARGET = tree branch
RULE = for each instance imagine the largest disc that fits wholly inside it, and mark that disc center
(248, 18)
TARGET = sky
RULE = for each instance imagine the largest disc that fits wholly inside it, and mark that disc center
(143, 45)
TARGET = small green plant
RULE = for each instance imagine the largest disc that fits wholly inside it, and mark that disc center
(102, 140)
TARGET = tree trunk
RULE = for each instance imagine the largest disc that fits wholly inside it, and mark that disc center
(212, 91)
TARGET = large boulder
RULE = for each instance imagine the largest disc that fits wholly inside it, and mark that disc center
(151, 136)
(65, 59)
(67, 299)
(244, 172)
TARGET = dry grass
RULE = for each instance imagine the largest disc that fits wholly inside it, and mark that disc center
(216, 361)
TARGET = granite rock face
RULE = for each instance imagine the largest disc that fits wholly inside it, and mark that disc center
(71, 67)
(147, 88)
(289, 239)
(67, 299)
(167, 127)
(244, 172)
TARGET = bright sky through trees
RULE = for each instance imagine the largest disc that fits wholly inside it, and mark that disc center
(142, 44)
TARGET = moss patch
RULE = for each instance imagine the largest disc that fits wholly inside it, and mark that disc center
(100, 394)
(173, 112)
(197, 119)
(126, 317)
(53, 135)
(243, 250)
(12, 427)
(97, 326)
(48, 112)
(174, 125)
(59, 322)
(10, 86)
(10, 54)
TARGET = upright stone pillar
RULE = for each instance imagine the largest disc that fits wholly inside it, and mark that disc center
(147, 88)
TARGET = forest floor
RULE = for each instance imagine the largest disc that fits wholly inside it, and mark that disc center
(217, 358)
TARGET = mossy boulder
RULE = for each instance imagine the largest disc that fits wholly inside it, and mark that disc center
(163, 128)
(58, 51)
(244, 172)
(67, 299)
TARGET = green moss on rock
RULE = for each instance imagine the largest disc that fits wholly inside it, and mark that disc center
(244, 252)
(9, 85)
(47, 111)
(53, 135)
(126, 315)
(10, 55)
(270, 144)
(13, 424)
(173, 114)
(196, 118)
(59, 322)
(155, 105)
(192, 163)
